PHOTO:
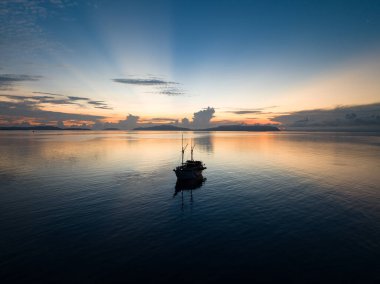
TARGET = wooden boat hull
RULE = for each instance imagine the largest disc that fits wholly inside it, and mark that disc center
(188, 174)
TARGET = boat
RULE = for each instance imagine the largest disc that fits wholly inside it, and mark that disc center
(191, 169)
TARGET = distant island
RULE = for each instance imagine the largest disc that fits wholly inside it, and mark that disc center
(240, 127)
(43, 127)
(162, 127)
(218, 128)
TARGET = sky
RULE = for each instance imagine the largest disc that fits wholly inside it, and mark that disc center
(190, 63)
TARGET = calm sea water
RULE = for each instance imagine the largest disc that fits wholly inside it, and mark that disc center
(102, 207)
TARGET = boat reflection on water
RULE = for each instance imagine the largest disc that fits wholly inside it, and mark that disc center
(188, 185)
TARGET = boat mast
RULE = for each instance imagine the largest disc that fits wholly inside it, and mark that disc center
(183, 149)
(192, 150)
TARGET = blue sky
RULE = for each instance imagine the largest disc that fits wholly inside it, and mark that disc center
(169, 59)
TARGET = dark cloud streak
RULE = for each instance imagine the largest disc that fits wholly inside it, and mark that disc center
(36, 102)
(242, 111)
(161, 86)
(39, 99)
(45, 93)
(18, 110)
(172, 92)
(245, 111)
(341, 116)
(78, 98)
(144, 82)
(8, 81)
(97, 103)
(103, 107)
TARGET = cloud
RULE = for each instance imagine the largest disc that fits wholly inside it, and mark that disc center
(60, 124)
(39, 99)
(160, 120)
(22, 27)
(172, 92)
(14, 107)
(15, 111)
(160, 86)
(58, 102)
(242, 111)
(185, 122)
(245, 111)
(130, 122)
(45, 93)
(144, 82)
(202, 118)
(104, 107)
(23, 98)
(78, 98)
(7, 81)
(97, 103)
(70, 100)
(341, 116)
